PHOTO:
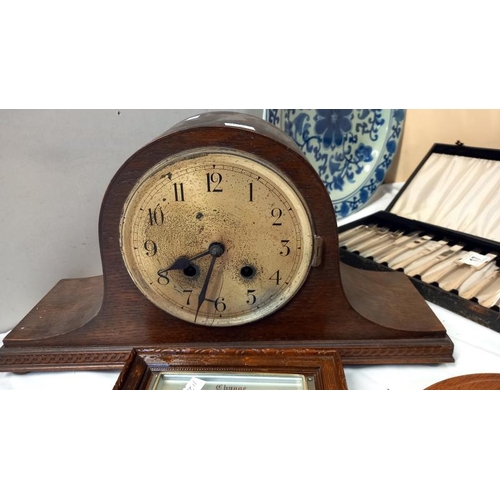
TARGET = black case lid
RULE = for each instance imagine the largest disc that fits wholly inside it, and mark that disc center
(489, 229)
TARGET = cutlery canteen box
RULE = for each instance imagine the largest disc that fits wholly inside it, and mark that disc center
(442, 230)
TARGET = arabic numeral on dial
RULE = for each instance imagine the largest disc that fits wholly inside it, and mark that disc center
(213, 182)
(156, 216)
(151, 248)
(251, 297)
(251, 191)
(189, 292)
(220, 305)
(276, 277)
(163, 278)
(286, 249)
(276, 214)
(179, 191)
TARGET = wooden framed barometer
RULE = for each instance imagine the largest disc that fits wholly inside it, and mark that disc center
(220, 235)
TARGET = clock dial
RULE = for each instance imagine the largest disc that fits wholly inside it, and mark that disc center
(216, 237)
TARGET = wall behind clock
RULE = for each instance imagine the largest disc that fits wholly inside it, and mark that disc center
(55, 166)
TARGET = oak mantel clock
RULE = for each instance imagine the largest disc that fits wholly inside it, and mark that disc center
(220, 235)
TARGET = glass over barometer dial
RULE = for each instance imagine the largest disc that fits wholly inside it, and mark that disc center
(217, 237)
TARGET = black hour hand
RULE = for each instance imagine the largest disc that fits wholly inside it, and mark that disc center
(183, 262)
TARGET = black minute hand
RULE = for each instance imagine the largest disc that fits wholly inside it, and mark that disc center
(215, 250)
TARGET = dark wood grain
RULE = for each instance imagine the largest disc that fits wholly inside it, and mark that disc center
(369, 318)
(326, 369)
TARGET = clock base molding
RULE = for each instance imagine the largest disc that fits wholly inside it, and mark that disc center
(54, 359)
(71, 329)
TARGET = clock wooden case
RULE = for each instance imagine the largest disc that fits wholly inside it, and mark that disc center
(94, 323)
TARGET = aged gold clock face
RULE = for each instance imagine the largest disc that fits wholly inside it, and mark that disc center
(216, 237)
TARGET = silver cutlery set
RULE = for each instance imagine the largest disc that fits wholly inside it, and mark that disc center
(473, 275)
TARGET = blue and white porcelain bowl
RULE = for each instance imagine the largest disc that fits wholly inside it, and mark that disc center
(351, 149)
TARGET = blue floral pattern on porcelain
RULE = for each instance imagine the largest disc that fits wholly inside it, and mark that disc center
(351, 149)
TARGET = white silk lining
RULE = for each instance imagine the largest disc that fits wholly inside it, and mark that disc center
(457, 193)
